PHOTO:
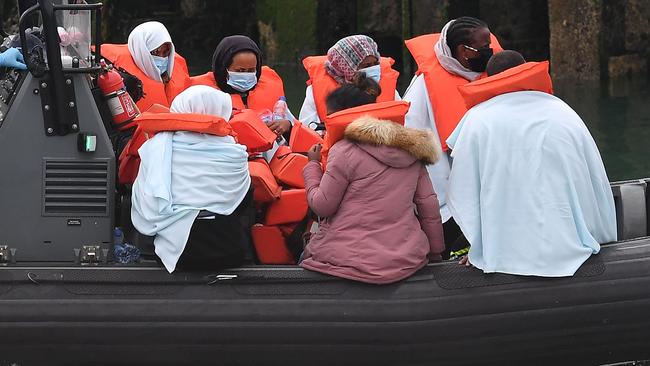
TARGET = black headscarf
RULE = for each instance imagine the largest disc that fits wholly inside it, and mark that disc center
(223, 55)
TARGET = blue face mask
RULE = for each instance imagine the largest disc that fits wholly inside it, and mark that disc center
(373, 72)
(242, 81)
(161, 63)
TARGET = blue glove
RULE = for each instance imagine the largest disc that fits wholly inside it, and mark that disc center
(12, 58)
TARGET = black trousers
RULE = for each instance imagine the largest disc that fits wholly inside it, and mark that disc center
(219, 242)
(454, 238)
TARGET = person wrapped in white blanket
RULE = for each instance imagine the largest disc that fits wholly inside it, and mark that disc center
(528, 187)
(193, 188)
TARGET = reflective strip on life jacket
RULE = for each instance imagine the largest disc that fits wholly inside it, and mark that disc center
(528, 76)
(154, 91)
(323, 84)
(268, 90)
(442, 86)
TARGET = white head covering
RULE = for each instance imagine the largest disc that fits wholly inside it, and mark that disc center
(202, 99)
(145, 38)
(447, 61)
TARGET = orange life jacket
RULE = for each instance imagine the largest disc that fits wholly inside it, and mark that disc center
(528, 76)
(287, 167)
(270, 245)
(266, 188)
(157, 108)
(290, 208)
(447, 103)
(154, 91)
(151, 123)
(268, 90)
(303, 138)
(323, 84)
(251, 131)
(336, 123)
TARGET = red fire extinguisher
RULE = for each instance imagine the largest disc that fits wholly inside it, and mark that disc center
(119, 101)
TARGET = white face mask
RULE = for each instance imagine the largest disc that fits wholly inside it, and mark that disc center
(161, 63)
(242, 81)
(373, 72)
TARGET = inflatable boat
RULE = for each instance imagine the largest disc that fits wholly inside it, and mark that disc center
(264, 315)
(63, 301)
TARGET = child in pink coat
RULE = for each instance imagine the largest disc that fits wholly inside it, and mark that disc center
(381, 216)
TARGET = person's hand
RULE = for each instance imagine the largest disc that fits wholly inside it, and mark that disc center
(314, 152)
(280, 126)
(464, 261)
(12, 58)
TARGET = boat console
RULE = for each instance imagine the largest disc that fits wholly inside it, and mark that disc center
(56, 159)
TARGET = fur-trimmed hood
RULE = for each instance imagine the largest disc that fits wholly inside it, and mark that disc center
(375, 133)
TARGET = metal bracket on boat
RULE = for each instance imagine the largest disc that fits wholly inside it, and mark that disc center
(220, 278)
(7, 255)
(66, 120)
(89, 254)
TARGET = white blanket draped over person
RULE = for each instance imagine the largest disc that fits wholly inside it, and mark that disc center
(182, 173)
(528, 187)
(145, 38)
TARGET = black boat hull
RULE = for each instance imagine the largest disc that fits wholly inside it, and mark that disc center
(268, 315)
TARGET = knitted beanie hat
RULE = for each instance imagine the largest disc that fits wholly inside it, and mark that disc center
(344, 57)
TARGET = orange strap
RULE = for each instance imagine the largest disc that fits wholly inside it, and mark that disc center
(152, 123)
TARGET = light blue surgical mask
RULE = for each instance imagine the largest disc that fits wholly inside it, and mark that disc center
(161, 63)
(373, 72)
(242, 81)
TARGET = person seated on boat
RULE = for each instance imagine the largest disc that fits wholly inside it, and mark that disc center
(150, 56)
(192, 189)
(527, 187)
(374, 182)
(237, 70)
(12, 58)
(455, 56)
(347, 57)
